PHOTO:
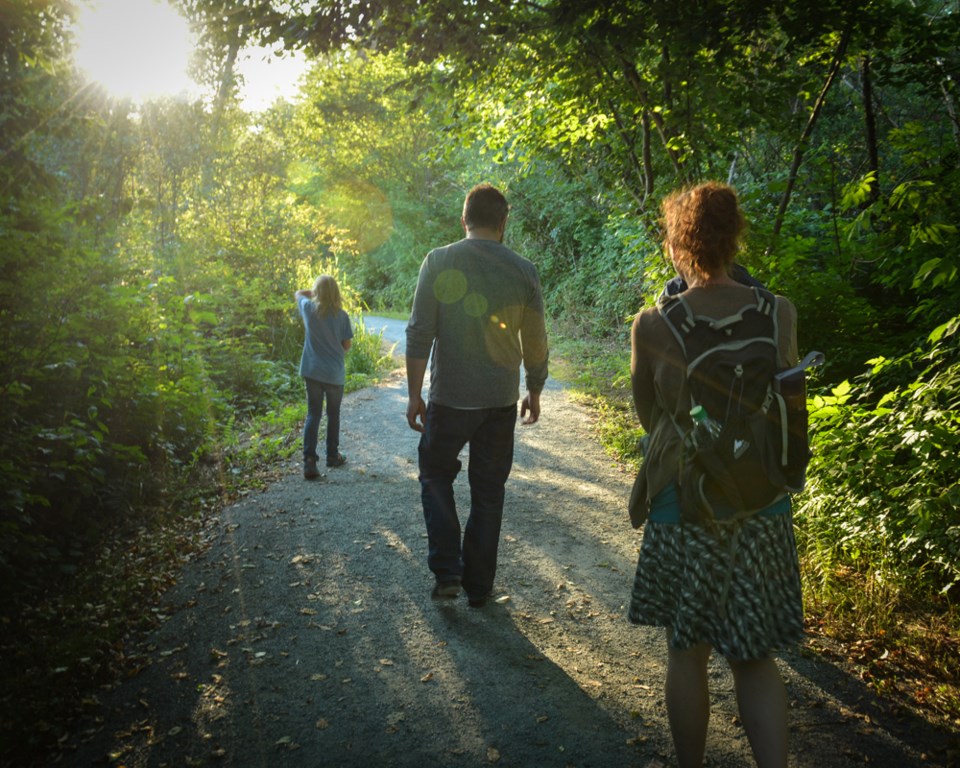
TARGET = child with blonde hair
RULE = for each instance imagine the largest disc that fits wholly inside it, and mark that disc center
(327, 338)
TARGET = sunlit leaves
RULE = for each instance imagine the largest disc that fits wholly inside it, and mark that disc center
(884, 466)
(946, 329)
(859, 191)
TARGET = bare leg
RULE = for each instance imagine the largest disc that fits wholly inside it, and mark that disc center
(688, 703)
(762, 700)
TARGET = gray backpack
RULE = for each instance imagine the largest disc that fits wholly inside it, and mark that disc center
(759, 449)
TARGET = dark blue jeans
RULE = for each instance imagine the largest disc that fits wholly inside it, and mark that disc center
(316, 391)
(489, 431)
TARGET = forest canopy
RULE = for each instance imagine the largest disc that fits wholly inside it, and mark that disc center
(149, 250)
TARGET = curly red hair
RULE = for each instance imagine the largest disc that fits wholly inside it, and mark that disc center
(703, 225)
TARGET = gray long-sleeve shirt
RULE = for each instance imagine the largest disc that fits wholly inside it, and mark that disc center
(479, 307)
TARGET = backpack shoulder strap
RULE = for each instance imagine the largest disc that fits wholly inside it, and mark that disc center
(678, 316)
(766, 301)
(767, 305)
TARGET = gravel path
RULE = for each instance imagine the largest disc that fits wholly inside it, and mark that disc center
(304, 635)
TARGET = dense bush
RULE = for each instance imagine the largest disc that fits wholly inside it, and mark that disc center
(884, 495)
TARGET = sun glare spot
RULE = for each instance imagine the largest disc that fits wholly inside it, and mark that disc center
(135, 49)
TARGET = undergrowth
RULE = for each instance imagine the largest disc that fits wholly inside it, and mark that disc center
(60, 651)
(597, 373)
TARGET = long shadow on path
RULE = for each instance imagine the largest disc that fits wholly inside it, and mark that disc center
(305, 636)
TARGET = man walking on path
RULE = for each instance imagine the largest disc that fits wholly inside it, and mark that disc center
(479, 307)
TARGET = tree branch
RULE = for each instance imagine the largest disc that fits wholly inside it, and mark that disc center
(636, 82)
(801, 147)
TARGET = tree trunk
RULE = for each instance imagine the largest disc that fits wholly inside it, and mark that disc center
(224, 89)
(647, 157)
(870, 128)
(631, 146)
(801, 147)
(639, 88)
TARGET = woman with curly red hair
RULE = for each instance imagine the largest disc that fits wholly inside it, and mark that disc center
(731, 587)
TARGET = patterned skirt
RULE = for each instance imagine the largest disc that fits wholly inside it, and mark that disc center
(735, 585)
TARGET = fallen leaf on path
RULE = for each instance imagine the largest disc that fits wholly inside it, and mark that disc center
(308, 611)
(427, 677)
(286, 742)
(322, 724)
(318, 676)
(493, 755)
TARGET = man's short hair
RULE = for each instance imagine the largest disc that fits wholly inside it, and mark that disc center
(485, 206)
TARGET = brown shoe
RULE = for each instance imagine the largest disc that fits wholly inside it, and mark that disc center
(310, 470)
(339, 461)
(446, 590)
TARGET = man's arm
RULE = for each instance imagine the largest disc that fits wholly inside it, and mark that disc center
(536, 354)
(421, 332)
(416, 408)
(306, 294)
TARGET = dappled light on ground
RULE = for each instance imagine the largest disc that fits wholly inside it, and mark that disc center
(307, 630)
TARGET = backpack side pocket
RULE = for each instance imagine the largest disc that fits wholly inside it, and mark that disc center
(790, 397)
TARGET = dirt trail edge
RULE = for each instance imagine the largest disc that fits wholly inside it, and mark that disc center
(305, 634)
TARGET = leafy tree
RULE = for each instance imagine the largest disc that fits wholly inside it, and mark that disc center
(365, 141)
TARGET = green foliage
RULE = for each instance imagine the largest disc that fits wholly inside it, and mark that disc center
(368, 359)
(367, 159)
(883, 497)
(147, 315)
(148, 257)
